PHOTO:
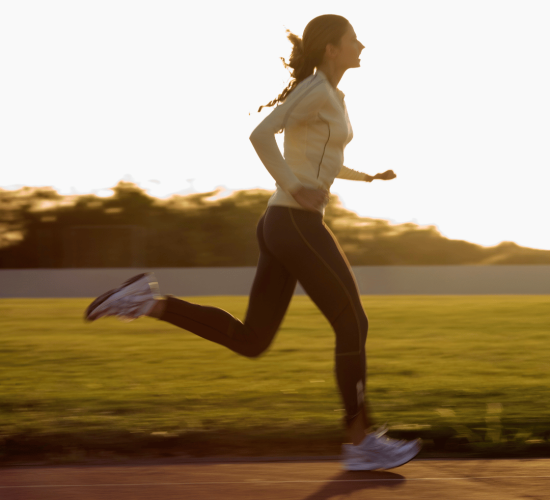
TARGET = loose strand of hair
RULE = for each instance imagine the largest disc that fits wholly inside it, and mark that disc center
(300, 69)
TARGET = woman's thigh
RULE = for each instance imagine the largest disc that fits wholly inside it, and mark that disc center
(271, 292)
(305, 246)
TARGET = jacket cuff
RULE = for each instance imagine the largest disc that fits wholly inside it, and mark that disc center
(293, 188)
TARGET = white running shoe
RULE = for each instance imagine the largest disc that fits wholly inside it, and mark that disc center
(380, 435)
(132, 299)
(377, 451)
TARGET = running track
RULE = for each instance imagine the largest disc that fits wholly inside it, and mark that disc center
(310, 480)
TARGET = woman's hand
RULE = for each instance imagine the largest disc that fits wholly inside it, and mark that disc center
(311, 199)
(386, 176)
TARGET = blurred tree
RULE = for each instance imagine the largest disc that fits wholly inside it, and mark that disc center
(40, 228)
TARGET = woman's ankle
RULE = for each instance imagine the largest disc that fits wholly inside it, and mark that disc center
(356, 429)
(158, 308)
(359, 426)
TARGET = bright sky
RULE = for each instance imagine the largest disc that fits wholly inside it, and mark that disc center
(452, 95)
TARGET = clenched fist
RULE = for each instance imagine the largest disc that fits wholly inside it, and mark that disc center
(386, 176)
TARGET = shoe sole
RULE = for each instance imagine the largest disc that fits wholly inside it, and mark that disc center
(392, 465)
(358, 467)
(404, 460)
(107, 295)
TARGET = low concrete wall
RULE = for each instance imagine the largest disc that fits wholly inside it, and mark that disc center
(372, 280)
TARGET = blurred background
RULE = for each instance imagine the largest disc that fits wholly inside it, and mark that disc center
(124, 132)
(40, 228)
(450, 95)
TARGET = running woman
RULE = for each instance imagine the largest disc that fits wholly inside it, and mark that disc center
(295, 244)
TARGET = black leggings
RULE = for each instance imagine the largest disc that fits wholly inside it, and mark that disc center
(295, 245)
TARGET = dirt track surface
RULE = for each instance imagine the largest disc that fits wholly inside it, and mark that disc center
(321, 480)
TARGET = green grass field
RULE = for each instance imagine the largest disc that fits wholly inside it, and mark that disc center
(473, 369)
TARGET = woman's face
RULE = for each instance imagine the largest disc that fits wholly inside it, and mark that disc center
(347, 55)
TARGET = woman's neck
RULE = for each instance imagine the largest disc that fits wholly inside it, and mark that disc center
(334, 75)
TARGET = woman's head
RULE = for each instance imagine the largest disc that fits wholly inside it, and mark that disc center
(309, 52)
(324, 37)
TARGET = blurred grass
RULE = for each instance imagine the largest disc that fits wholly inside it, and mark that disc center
(470, 368)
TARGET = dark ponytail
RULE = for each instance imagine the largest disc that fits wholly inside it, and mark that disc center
(308, 51)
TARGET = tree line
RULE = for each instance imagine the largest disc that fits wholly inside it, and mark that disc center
(40, 228)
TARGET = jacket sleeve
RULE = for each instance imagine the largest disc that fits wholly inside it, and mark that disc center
(352, 175)
(302, 105)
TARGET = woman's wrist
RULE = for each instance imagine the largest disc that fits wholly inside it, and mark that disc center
(368, 178)
(295, 188)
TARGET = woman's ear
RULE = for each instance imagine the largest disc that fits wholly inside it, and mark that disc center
(330, 51)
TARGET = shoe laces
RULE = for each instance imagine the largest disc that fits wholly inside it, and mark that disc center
(386, 442)
(390, 443)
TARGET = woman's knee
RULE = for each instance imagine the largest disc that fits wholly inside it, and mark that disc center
(365, 323)
(254, 345)
(351, 329)
(254, 350)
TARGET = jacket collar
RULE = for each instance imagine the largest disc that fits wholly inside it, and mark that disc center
(321, 75)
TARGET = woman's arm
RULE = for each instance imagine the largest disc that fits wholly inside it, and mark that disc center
(354, 175)
(302, 104)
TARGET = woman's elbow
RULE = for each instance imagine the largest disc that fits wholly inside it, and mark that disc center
(256, 135)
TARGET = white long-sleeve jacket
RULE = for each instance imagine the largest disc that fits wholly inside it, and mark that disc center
(317, 129)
